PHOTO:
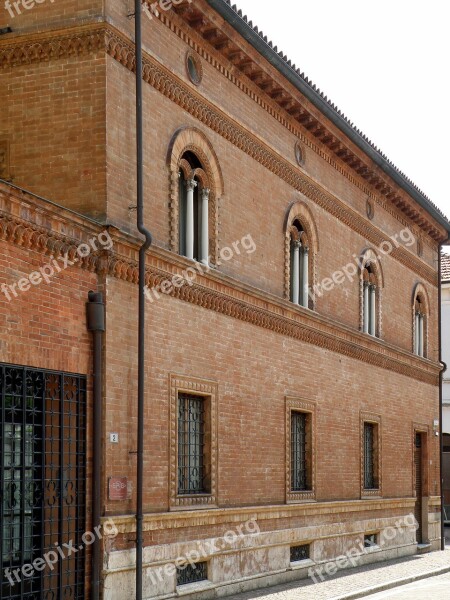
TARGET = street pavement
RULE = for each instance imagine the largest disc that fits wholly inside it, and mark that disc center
(426, 576)
(435, 588)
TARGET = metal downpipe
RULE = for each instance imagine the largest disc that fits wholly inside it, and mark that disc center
(141, 312)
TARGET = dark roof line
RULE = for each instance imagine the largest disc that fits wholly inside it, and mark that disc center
(280, 61)
(445, 267)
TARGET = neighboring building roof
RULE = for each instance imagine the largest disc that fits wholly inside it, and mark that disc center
(445, 268)
(280, 61)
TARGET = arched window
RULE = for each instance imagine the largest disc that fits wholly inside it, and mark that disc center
(371, 282)
(194, 209)
(370, 300)
(299, 265)
(420, 321)
(196, 191)
(301, 248)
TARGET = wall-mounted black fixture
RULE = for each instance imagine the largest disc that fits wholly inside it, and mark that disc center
(4, 30)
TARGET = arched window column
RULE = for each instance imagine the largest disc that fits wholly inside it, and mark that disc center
(204, 237)
(189, 233)
(295, 291)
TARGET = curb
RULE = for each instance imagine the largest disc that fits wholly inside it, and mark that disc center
(391, 584)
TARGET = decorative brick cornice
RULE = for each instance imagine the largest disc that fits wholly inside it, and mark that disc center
(50, 230)
(91, 37)
(51, 45)
(22, 218)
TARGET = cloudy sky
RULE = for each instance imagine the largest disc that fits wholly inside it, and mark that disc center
(384, 64)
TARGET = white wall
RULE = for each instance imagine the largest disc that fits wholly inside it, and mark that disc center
(446, 340)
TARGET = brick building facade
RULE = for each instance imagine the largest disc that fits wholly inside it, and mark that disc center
(292, 365)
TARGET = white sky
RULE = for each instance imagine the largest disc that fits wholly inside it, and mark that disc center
(384, 64)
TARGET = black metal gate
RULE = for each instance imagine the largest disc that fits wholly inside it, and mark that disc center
(43, 484)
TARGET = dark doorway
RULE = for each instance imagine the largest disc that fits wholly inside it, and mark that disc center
(418, 484)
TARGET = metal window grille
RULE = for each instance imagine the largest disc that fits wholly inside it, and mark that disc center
(300, 552)
(42, 472)
(191, 444)
(299, 450)
(369, 457)
(192, 573)
(370, 539)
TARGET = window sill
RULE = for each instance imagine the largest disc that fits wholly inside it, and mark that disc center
(192, 588)
(194, 502)
(368, 549)
(371, 494)
(301, 497)
(301, 564)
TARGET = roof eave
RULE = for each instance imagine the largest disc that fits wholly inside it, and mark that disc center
(227, 12)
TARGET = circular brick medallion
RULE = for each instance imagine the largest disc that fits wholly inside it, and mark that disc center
(194, 67)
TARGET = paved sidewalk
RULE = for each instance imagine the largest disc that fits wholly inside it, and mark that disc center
(358, 582)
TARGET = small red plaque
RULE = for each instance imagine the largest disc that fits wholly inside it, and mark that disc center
(118, 488)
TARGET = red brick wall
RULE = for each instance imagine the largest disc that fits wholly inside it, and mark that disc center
(44, 327)
(57, 120)
(255, 369)
(255, 202)
(53, 114)
(46, 14)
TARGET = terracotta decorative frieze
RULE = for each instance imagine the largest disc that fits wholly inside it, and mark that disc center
(48, 243)
(51, 45)
(211, 291)
(215, 293)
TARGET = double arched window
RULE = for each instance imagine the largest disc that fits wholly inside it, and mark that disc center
(196, 190)
(301, 250)
(371, 283)
(420, 321)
